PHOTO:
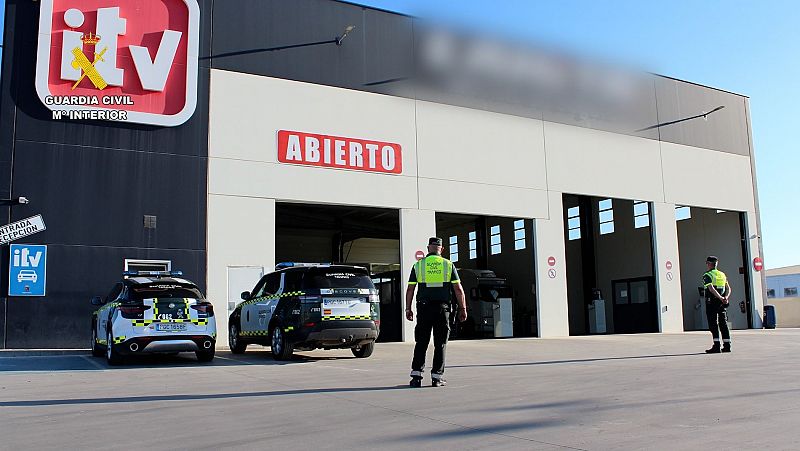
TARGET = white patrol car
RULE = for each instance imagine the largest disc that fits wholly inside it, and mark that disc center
(153, 312)
(308, 306)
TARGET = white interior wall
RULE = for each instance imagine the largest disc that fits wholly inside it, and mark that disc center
(372, 250)
(710, 233)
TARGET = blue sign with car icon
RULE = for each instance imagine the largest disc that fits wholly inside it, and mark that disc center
(27, 270)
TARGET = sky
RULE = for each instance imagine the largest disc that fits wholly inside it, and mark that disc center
(747, 47)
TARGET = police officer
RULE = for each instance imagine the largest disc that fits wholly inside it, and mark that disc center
(717, 294)
(433, 275)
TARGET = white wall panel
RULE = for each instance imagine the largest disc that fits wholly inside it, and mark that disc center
(241, 232)
(462, 144)
(480, 199)
(247, 111)
(551, 287)
(416, 226)
(309, 184)
(707, 178)
(668, 281)
(584, 161)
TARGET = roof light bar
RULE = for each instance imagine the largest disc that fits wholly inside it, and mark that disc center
(152, 273)
(284, 265)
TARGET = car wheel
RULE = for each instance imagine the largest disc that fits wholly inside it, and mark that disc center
(234, 342)
(281, 349)
(205, 355)
(363, 351)
(97, 351)
(112, 356)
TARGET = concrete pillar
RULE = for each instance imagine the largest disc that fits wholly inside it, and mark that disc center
(241, 232)
(551, 281)
(757, 289)
(416, 226)
(667, 267)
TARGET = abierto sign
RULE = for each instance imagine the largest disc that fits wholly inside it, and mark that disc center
(119, 60)
(21, 229)
(339, 152)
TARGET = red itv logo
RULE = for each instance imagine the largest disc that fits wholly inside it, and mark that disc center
(122, 60)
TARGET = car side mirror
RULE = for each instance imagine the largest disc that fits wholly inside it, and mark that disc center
(245, 295)
(97, 300)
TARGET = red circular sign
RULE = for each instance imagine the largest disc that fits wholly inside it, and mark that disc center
(758, 264)
(419, 255)
(551, 261)
(669, 265)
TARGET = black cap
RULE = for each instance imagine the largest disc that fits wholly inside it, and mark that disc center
(434, 241)
(712, 259)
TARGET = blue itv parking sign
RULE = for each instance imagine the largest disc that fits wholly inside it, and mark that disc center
(27, 270)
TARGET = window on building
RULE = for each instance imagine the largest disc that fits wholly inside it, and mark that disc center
(771, 293)
(641, 214)
(453, 249)
(494, 240)
(473, 246)
(682, 213)
(790, 292)
(574, 223)
(606, 216)
(519, 234)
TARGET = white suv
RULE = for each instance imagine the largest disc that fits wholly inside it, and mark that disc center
(153, 312)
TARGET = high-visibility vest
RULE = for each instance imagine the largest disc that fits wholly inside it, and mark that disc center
(718, 279)
(433, 271)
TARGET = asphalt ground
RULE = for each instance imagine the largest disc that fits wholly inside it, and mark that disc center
(648, 391)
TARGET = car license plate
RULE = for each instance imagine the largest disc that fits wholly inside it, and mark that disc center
(170, 327)
(340, 302)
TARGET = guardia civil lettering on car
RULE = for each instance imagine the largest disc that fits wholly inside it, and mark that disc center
(304, 306)
(153, 312)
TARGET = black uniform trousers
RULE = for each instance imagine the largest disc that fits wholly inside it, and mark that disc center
(717, 317)
(431, 316)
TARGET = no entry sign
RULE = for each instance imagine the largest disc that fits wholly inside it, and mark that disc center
(551, 261)
(758, 264)
(419, 255)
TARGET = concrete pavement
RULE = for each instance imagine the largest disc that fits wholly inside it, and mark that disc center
(648, 391)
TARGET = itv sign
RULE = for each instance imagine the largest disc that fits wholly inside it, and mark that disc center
(27, 270)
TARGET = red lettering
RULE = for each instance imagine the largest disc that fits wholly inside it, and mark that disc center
(339, 152)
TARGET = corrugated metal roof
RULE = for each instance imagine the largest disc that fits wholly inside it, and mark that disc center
(785, 271)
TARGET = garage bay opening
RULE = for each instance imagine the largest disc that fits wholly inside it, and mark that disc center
(494, 258)
(361, 236)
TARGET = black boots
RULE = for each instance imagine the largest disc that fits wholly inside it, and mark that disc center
(438, 383)
(726, 347)
(416, 382)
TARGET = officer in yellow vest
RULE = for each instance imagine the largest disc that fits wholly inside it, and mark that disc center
(717, 294)
(434, 275)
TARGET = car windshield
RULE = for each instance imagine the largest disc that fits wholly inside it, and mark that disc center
(165, 291)
(340, 277)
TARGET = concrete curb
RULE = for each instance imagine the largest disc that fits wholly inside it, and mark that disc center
(41, 352)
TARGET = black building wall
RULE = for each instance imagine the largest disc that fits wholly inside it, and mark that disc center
(93, 182)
